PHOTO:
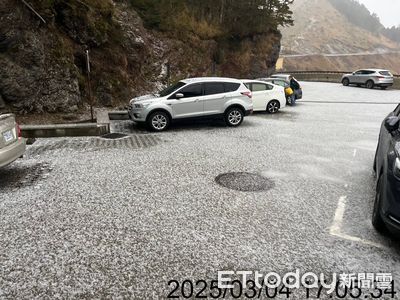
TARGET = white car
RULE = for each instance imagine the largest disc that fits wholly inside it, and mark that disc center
(266, 96)
(213, 97)
(12, 145)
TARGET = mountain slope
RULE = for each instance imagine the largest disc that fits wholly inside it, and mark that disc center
(320, 28)
(43, 59)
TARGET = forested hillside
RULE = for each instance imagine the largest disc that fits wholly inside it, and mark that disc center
(136, 46)
(360, 16)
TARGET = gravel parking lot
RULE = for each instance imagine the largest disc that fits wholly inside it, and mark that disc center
(89, 218)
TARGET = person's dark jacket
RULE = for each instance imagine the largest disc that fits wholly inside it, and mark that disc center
(294, 85)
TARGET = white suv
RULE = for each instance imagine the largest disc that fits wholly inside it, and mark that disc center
(194, 98)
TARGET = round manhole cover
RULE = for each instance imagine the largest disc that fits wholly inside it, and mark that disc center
(245, 182)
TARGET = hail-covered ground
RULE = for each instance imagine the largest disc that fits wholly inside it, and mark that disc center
(95, 218)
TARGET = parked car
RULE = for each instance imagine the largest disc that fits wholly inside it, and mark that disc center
(266, 96)
(293, 83)
(12, 145)
(386, 212)
(370, 78)
(191, 98)
(283, 83)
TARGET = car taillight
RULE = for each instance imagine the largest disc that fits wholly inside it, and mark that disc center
(248, 94)
(19, 130)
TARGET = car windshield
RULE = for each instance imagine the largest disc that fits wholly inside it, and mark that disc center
(169, 90)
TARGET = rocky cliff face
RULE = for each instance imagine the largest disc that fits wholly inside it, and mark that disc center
(43, 67)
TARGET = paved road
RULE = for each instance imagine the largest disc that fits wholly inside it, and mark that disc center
(88, 218)
(340, 54)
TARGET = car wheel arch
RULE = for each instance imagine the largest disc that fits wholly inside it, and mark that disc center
(157, 110)
(233, 106)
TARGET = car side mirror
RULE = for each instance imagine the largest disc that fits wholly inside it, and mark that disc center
(179, 96)
(392, 124)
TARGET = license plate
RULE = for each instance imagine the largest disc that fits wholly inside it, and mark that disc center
(8, 136)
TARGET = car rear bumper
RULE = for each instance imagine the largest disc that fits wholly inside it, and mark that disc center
(384, 84)
(12, 152)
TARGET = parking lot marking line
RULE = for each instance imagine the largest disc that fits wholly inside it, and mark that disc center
(355, 153)
(359, 240)
(339, 213)
(336, 228)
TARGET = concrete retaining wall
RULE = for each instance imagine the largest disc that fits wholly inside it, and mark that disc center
(70, 130)
(327, 77)
(62, 130)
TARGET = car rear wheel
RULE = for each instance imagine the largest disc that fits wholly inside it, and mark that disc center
(370, 84)
(273, 107)
(346, 82)
(234, 117)
(158, 121)
(377, 220)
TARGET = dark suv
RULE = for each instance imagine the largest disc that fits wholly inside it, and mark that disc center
(386, 213)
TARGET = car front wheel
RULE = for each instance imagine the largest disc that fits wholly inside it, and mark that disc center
(377, 220)
(158, 121)
(273, 107)
(234, 117)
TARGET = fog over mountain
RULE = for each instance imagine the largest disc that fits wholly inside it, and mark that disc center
(387, 10)
(335, 27)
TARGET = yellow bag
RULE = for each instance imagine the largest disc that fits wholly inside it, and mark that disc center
(289, 91)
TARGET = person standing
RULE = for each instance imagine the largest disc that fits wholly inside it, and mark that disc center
(295, 86)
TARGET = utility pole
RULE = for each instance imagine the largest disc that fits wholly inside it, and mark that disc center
(89, 85)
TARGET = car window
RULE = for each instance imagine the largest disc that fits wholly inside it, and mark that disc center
(385, 73)
(169, 90)
(193, 90)
(258, 87)
(212, 88)
(231, 86)
(269, 87)
(397, 111)
(281, 83)
(359, 72)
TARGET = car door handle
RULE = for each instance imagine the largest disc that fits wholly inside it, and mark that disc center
(197, 100)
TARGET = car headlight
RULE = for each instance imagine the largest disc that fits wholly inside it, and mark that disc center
(140, 105)
(396, 169)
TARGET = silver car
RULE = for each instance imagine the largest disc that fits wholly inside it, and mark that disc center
(369, 78)
(12, 145)
(191, 98)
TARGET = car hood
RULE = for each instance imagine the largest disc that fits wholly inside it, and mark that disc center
(145, 99)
